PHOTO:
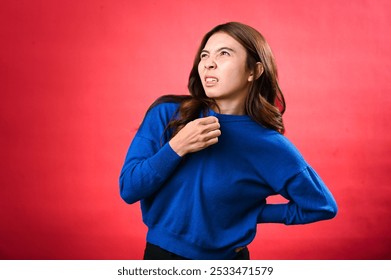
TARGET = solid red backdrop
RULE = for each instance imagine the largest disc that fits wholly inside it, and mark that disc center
(78, 76)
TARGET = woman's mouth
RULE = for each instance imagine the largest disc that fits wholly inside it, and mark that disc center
(211, 80)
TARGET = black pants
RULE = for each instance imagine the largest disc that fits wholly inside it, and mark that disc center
(153, 252)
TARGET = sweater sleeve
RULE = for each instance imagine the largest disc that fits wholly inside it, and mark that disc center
(149, 161)
(309, 200)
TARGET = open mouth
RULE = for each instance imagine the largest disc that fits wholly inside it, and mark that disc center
(211, 80)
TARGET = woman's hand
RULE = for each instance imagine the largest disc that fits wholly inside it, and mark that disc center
(196, 135)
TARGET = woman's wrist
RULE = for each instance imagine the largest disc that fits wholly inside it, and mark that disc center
(177, 147)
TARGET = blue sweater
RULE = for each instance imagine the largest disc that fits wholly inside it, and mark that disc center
(208, 203)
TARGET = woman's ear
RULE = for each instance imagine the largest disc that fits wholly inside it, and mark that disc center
(257, 73)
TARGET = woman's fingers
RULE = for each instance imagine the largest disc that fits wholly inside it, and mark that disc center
(196, 135)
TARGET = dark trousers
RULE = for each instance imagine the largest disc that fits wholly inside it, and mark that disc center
(153, 252)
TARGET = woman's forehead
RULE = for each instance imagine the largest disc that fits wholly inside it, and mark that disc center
(222, 40)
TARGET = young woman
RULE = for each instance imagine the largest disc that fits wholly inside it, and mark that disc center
(203, 165)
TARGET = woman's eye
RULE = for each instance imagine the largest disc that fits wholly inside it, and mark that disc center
(225, 53)
(204, 55)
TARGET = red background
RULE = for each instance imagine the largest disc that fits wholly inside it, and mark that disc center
(78, 76)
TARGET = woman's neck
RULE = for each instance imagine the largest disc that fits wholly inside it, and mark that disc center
(229, 108)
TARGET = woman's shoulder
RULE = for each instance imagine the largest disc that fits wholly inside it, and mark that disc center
(280, 147)
(157, 117)
(166, 107)
(166, 104)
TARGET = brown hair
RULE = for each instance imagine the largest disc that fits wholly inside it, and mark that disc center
(265, 102)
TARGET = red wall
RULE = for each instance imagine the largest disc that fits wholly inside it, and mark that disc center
(77, 77)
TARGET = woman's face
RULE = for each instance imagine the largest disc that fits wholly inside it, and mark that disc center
(223, 71)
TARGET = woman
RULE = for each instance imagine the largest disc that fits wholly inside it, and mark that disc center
(203, 165)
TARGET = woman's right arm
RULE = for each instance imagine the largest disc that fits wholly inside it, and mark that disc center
(148, 164)
(150, 159)
(146, 168)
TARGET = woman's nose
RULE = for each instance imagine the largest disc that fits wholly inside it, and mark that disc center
(210, 64)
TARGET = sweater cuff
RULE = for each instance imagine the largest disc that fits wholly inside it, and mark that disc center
(165, 161)
(273, 213)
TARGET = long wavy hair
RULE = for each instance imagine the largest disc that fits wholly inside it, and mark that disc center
(264, 103)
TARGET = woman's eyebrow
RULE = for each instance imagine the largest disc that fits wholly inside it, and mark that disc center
(220, 49)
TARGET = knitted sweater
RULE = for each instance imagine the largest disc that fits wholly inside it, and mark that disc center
(208, 203)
